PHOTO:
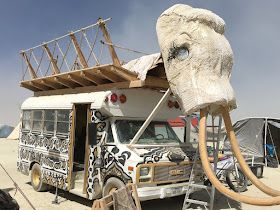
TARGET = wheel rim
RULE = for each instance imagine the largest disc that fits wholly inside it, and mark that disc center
(36, 178)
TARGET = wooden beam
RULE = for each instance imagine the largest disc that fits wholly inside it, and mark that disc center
(42, 82)
(29, 87)
(104, 87)
(107, 38)
(29, 66)
(120, 85)
(52, 84)
(52, 60)
(93, 78)
(109, 75)
(78, 51)
(37, 84)
(123, 73)
(79, 80)
(156, 82)
(65, 82)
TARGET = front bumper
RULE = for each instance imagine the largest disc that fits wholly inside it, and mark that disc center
(163, 191)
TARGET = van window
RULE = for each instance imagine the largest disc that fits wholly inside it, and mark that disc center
(26, 120)
(49, 121)
(37, 120)
(62, 121)
(155, 133)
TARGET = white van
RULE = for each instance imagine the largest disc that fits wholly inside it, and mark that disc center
(81, 143)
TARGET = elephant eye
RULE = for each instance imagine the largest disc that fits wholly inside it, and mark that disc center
(178, 52)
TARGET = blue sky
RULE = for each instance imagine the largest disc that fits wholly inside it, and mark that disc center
(252, 29)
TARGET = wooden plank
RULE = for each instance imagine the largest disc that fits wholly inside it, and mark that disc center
(42, 82)
(103, 87)
(71, 148)
(79, 52)
(38, 85)
(156, 82)
(87, 152)
(65, 82)
(123, 73)
(29, 66)
(50, 82)
(53, 61)
(107, 38)
(109, 75)
(93, 78)
(120, 85)
(135, 196)
(29, 87)
(79, 80)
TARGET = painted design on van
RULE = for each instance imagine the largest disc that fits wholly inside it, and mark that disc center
(114, 156)
(174, 154)
(47, 161)
(94, 188)
(114, 162)
(55, 179)
(54, 168)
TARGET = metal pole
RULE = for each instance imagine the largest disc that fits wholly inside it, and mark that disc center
(265, 134)
(151, 117)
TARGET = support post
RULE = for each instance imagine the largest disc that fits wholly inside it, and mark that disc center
(151, 117)
(30, 68)
(107, 38)
(52, 60)
(78, 50)
(265, 140)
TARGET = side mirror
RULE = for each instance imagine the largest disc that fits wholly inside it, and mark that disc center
(92, 131)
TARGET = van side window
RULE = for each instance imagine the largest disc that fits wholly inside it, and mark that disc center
(62, 121)
(37, 120)
(26, 120)
(49, 121)
(110, 138)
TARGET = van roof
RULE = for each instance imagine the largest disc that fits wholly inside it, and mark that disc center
(139, 103)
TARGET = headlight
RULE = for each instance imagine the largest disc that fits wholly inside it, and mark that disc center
(144, 171)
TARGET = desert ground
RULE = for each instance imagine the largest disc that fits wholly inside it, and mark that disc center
(67, 201)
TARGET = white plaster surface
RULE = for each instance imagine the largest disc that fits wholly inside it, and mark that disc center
(200, 76)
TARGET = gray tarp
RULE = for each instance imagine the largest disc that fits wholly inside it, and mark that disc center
(249, 134)
(5, 130)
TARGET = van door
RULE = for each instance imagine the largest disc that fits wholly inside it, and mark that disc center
(80, 150)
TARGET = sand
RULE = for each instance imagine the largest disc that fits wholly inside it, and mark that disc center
(43, 200)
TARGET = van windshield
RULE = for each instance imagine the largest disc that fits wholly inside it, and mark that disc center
(155, 133)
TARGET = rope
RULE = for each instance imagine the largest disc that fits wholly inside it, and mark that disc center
(123, 48)
(18, 188)
(38, 63)
(63, 55)
(91, 48)
(101, 52)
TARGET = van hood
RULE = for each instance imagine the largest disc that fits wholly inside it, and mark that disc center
(166, 154)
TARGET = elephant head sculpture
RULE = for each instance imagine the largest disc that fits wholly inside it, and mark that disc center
(198, 60)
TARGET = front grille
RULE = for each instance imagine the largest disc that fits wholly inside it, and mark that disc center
(172, 173)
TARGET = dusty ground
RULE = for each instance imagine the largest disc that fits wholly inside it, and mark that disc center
(67, 201)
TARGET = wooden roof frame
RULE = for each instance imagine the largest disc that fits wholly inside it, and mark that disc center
(92, 79)
(87, 79)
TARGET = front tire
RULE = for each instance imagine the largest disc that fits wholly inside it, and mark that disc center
(37, 178)
(112, 184)
(236, 183)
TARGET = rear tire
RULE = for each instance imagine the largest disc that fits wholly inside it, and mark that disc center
(112, 185)
(37, 178)
(237, 184)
